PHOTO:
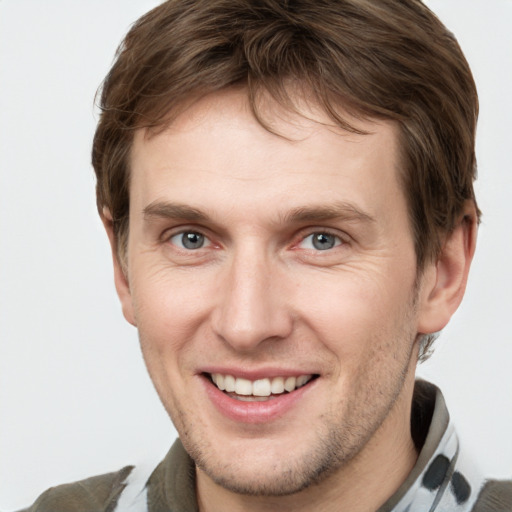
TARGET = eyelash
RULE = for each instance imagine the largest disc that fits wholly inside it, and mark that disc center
(338, 240)
(207, 241)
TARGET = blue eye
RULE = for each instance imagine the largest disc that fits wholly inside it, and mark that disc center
(320, 241)
(190, 240)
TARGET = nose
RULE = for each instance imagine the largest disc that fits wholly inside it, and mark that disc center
(252, 305)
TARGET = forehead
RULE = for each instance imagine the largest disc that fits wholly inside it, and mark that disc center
(216, 154)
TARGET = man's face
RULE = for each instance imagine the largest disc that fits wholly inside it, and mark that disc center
(265, 262)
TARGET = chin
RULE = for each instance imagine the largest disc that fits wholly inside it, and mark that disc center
(255, 481)
(271, 470)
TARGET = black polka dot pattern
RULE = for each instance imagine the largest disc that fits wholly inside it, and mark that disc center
(436, 473)
(460, 488)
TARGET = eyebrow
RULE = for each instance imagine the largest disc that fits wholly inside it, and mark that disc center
(339, 210)
(166, 210)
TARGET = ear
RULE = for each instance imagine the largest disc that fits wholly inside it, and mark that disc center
(444, 282)
(120, 273)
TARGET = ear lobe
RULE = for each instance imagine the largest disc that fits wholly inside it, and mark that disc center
(444, 282)
(120, 277)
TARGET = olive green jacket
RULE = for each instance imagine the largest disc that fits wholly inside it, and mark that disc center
(171, 486)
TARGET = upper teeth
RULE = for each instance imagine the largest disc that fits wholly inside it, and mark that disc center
(260, 387)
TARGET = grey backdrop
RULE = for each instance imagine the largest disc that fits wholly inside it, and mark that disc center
(74, 396)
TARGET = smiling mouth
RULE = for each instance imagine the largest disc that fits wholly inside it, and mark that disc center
(258, 390)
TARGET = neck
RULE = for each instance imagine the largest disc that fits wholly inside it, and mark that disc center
(363, 484)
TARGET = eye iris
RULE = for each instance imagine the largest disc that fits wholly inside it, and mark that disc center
(323, 241)
(192, 240)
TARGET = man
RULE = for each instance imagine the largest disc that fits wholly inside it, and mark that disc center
(287, 189)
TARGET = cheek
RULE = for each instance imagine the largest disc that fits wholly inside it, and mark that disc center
(169, 307)
(352, 313)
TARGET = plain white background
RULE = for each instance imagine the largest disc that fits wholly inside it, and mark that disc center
(74, 396)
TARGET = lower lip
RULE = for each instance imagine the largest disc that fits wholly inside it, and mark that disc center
(254, 412)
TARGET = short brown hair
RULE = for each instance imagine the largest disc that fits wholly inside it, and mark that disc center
(390, 59)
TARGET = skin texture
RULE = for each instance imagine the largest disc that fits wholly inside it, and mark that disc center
(258, 298)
